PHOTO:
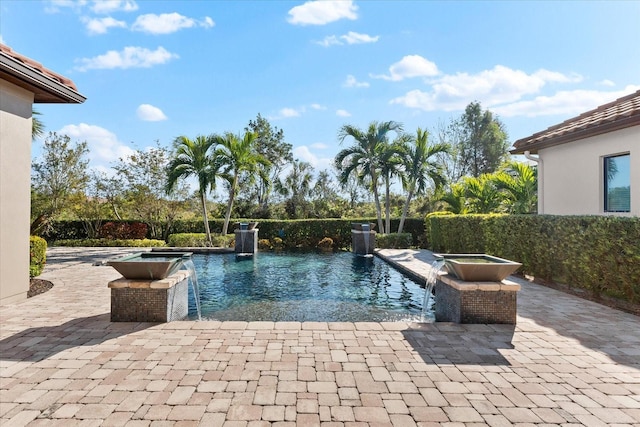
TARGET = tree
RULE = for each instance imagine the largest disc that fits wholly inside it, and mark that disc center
(519, 184)
(481, 194)
(420, 168)
(61, 173)
(271, 145)
(483, 144)
(144, 182)
(327, 203)
(362, 158)
(390, 160)
(194, 158)
(37, 127)
(238, 155)
(455, 200)
(297, 187)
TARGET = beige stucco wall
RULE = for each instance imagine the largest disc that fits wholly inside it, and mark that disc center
(15, 196)
(571, 178)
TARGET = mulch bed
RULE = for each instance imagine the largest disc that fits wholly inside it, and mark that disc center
(38, 286)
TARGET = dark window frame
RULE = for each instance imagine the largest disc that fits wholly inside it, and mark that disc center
(605, 169)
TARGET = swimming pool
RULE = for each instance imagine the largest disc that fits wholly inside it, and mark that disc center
(333, 287)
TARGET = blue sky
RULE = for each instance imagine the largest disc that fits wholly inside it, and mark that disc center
(154, 70)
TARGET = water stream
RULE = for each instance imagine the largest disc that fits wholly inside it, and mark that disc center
(428, 316)
(366, 235)
(187, 264)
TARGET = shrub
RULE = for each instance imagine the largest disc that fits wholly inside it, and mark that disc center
(199, 240)
(393, 241)
(325, 244)
(599, 254)
(137, 243)
(264, 245)
(37, 255)
(123, 230)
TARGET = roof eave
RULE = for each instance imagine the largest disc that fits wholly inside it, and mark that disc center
(618, 124)
(32, 79)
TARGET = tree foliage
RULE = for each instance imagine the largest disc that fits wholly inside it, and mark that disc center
(59, 175)
(483, 142)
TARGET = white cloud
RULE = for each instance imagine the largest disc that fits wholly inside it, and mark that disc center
(607, 82)
(149, 113)
(108, 6)
(168, 23)
(322, 12)
(319, 163)
(352, 82)
(1, 39)
(103, 144)
(357, 38)
(497, 86)
(319, 146)
(129, 57)
(318, 107)
(343, 113)
(349, 38)
(54, 6)
(102, 25)
(408, 67)
(563, 103)
(289, 112)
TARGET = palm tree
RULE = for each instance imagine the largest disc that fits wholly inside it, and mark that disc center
(192, 158)
(420, 167)
(297, 186)
(519, 184)
(455, 200)
(390, 158)
(37, 127)
(362, 158)
(238, 155)
(482, 194)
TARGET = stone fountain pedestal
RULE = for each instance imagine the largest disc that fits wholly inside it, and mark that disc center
(163, 300)
(246, 241)
(475, 302)
(363, 239)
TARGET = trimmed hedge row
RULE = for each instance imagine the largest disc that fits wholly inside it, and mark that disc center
(37, 255)
(130, 243)
(294, 233)
(598, 253)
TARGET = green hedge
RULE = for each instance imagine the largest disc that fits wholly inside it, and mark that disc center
(393, 241)
(37, 255)
(132, 243)
(600, 254)
(185, 240)
(294, 233)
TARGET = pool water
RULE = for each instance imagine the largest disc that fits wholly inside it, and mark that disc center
(334, 287)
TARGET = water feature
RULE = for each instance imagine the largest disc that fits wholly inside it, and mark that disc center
(243, 235)
(187, 264)
(365, 232)
(478, 267)
(428, 314)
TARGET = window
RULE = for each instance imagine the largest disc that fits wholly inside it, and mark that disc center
(617, 183)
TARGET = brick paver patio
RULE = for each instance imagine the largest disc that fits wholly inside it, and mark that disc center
(62, 363)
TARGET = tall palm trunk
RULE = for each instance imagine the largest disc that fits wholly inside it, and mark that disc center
(387, 203)
(232, 195)
(376, 198)
(205, 217)
(405, 209)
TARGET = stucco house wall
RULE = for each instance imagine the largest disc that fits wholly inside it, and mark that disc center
(571, 177)
(15, 170)
(23, 82)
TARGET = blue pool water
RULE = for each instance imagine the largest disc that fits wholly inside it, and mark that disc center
(334, 287)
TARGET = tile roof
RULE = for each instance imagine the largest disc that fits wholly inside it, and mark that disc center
(47, 85)
(619, 114)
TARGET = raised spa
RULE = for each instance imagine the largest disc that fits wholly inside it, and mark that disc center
(478, 267)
